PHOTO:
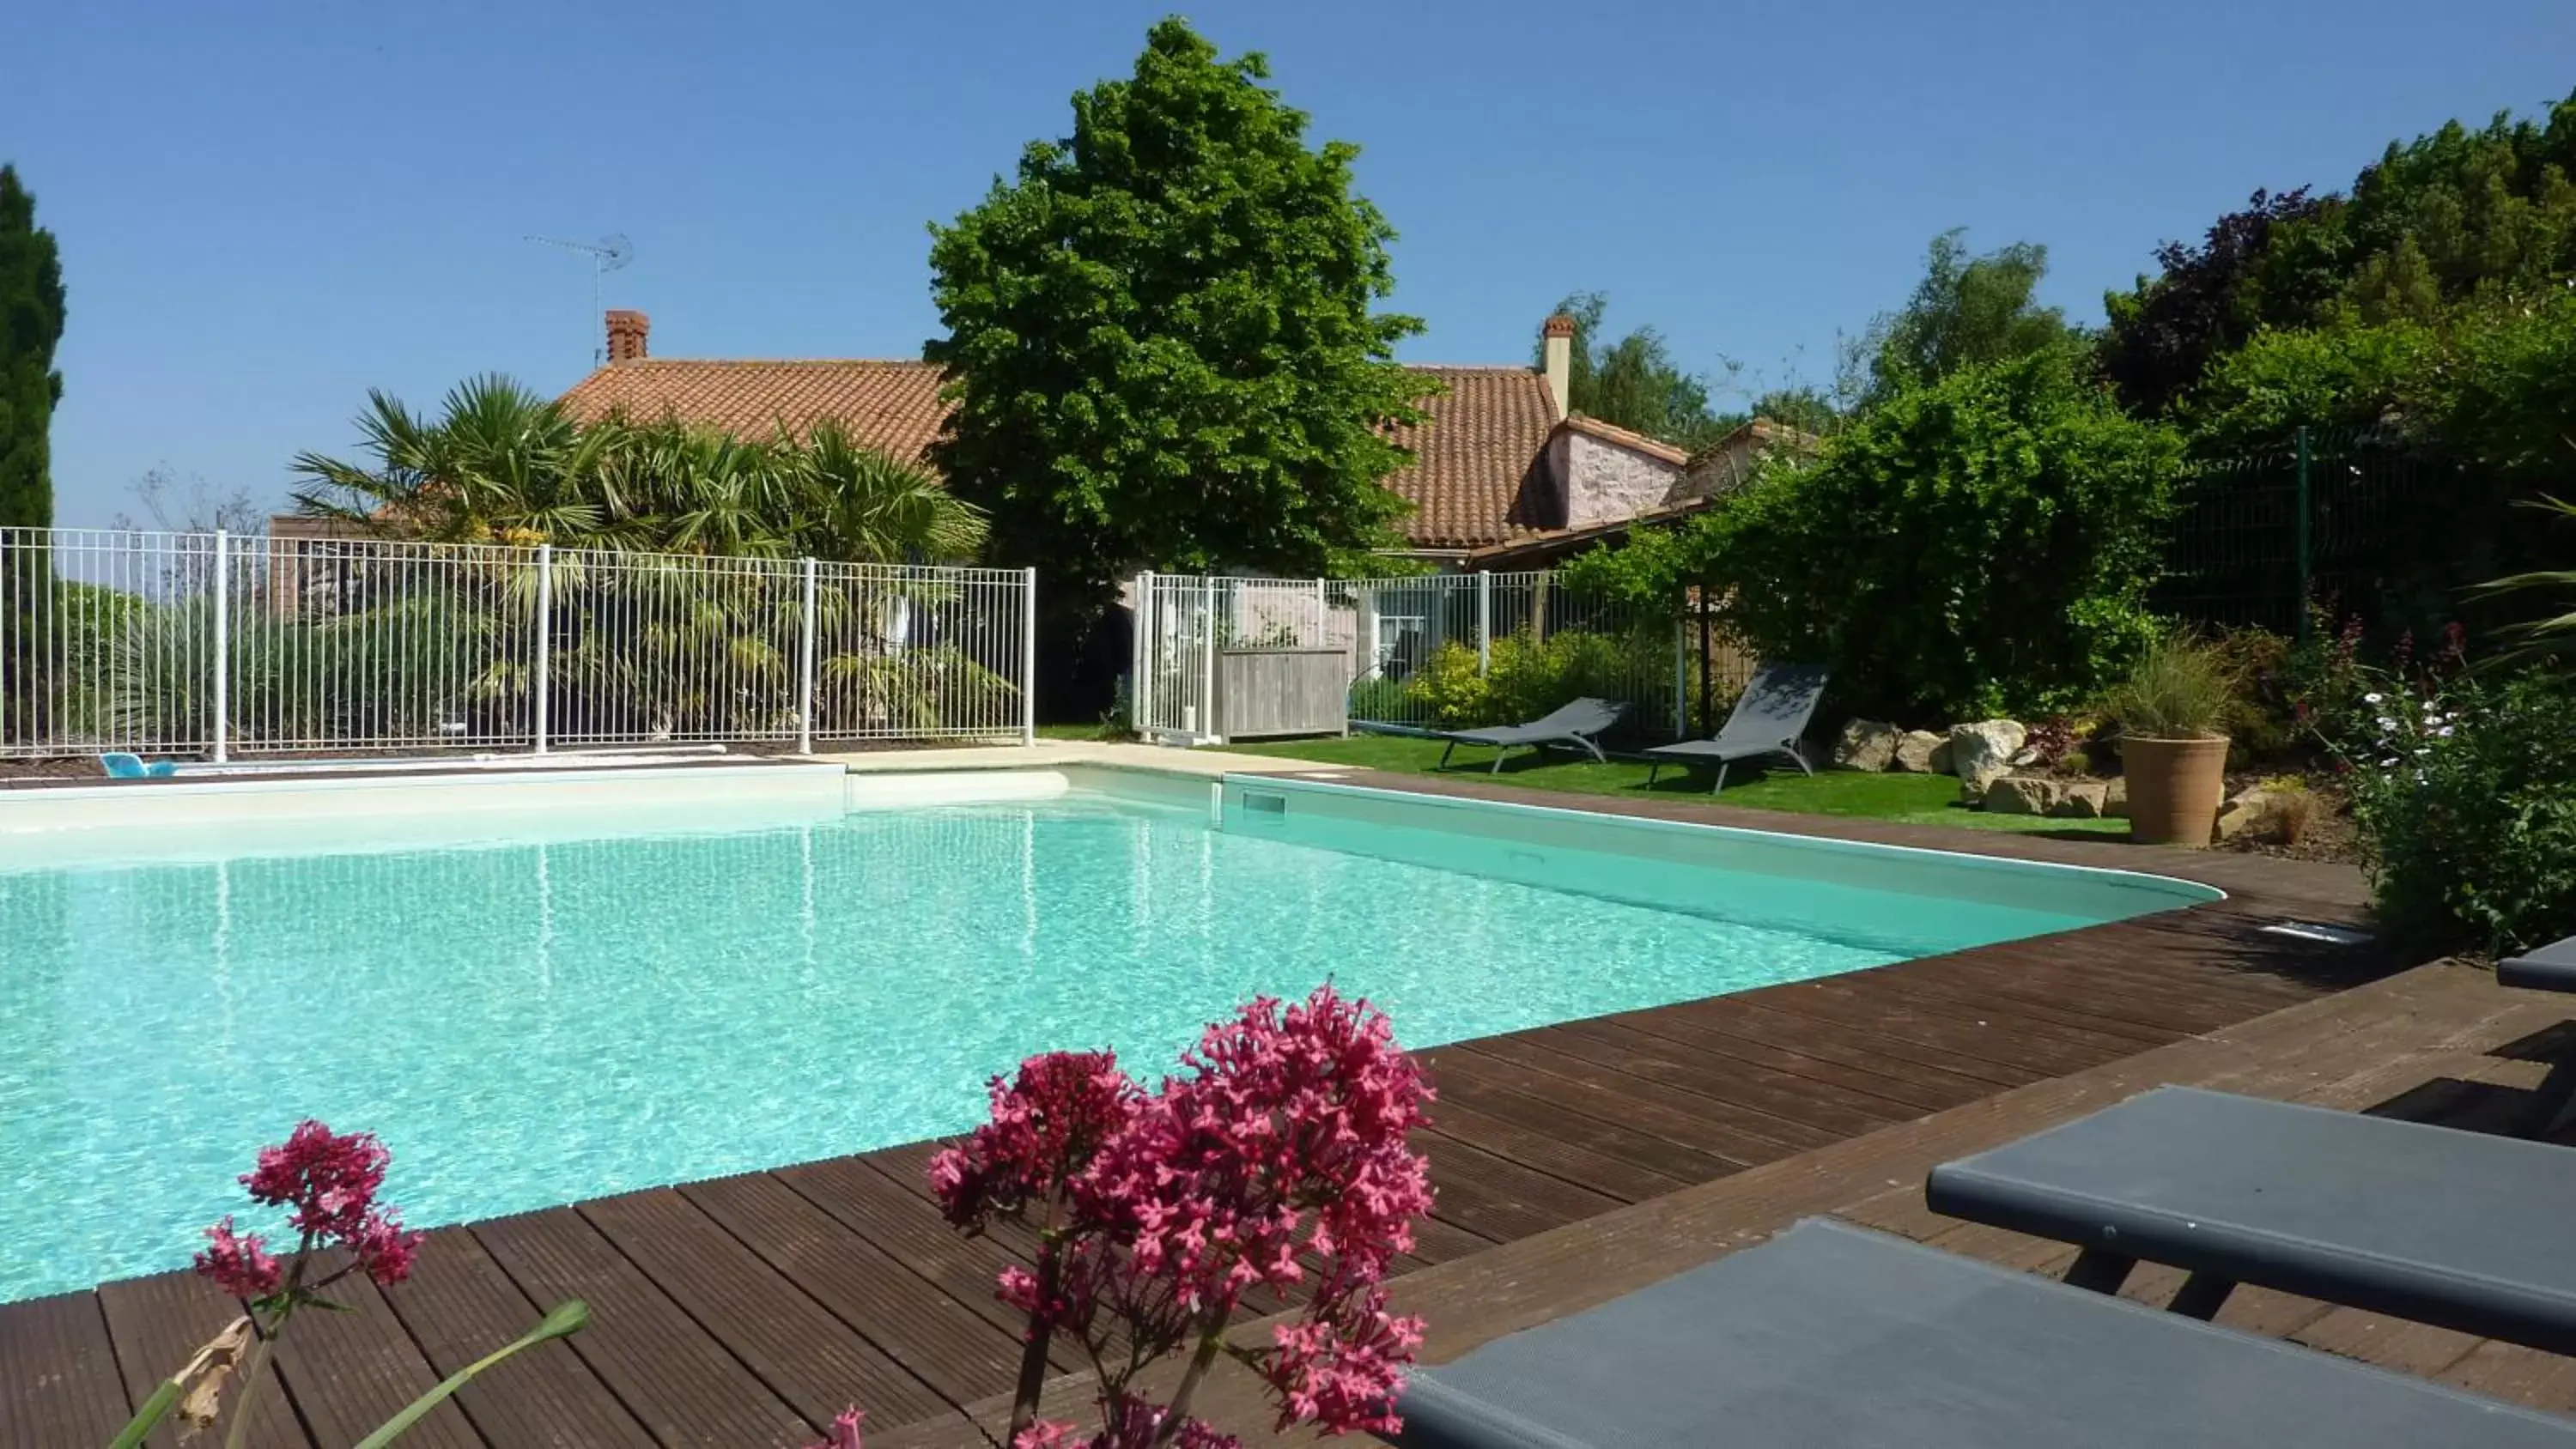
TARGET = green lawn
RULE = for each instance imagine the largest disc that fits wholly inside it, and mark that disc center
(1917, 799)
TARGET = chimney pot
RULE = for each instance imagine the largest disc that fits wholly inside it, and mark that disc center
(1558, 353)
(626, 334)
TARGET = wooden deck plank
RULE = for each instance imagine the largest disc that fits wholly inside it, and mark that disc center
(959, 1353)
(1694, 1119)
(352, 1370)
(1497, 1198)
(458, 1306)
(1492, 1088)
(159, 1323)
(1552, 1153)
(58, 1377)
(1873, 1098)
(1803, 1048)
(667, 1370)
(814, 1361)
(873, 1206)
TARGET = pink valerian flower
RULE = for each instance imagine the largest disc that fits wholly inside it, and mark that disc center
(1046, 1124)
(329, 1180)
(844, 1433)
(1342, 1368)
(383, 1247)
(239, 1263)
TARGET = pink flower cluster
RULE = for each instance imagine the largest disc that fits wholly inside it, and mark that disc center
(328, 1183)
(1279, 1158)
(1130, 1423)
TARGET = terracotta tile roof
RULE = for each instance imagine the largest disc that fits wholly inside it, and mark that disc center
(1475, 479)
(1476, 475)
(890, 405)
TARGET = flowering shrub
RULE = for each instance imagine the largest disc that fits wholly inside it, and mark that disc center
(327, 1182)
(1276, 1158)
(2465, 793)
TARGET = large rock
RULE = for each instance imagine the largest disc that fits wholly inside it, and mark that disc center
(1941, 757)
(2241, 813)
(2082, 799)
(1917, 749)
(1981, 754)
(2115, 798)
(1866, 744)
(2021, 795)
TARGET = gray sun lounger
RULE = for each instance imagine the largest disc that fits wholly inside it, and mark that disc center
(1834, 1335)
(1580, 723)
(1768, 719)
(2457, 1229)
(2551, 968)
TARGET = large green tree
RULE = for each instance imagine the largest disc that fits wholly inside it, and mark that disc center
(1967, 310)
(1161, 343)
(31, 323)
(1633, 382)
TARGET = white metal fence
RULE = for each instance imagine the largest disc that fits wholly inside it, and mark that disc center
(216, 644)
(1428, 650)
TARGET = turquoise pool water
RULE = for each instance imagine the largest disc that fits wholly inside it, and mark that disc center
(532, 1023)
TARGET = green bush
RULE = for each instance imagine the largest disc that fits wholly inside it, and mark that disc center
(1378, 699)
(1978, 546)
(2466, 799)
(1526, 677)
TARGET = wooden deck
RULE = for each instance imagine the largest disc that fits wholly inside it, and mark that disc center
(1571, 1162)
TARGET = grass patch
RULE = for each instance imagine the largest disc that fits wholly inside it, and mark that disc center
(1915, 799)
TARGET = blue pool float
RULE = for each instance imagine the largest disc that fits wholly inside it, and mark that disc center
(131, 767)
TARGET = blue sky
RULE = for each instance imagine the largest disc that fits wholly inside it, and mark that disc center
(265, 210)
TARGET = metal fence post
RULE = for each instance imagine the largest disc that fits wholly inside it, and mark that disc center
(1028, 656)
(223, 650)
(2301, 602)
(805, 672)
(1140, 690)
(544, 639)
(1484, 622)
(1681, 678)
(1208, 722)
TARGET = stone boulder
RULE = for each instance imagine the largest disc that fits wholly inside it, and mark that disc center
(1981, 754)
(2244, 811)
(2115, 798)
(1916, 751)
(2022, 795)
(1866, 744)
(2082, 800)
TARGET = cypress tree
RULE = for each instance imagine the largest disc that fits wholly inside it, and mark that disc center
(31, 322)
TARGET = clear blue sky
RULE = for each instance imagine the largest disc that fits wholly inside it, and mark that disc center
(264, 210)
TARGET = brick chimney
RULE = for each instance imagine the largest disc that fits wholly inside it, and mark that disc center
(1558, 352)
(626, 335)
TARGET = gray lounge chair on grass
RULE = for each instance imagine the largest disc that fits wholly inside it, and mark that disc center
(2457, 1229)
(2551, 968)
(1580, 723)
(1767, 720)
(1830, 1334)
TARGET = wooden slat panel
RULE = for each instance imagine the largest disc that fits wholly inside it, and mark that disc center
(684, 1385)
(459, 1306)
(58, 1378)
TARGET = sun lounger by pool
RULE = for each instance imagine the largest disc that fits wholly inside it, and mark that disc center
(1834, 1335)
(2457, 1229)
(1767, 721)
(2550, 968)
(1580, 723)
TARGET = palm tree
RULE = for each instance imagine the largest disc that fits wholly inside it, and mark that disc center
(501, 464)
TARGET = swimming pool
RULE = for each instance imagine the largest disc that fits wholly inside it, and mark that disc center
(535, 1005)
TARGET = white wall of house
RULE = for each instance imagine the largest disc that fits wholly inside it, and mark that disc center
(1601, 482)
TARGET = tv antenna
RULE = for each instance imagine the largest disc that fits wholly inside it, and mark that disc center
(608, 254)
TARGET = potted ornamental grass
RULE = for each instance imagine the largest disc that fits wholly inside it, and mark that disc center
(2174, 710)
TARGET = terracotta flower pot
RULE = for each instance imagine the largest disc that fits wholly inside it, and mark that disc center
(2175, 787)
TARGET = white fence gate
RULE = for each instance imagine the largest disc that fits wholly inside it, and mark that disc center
(222, 644)
(1521, 631)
